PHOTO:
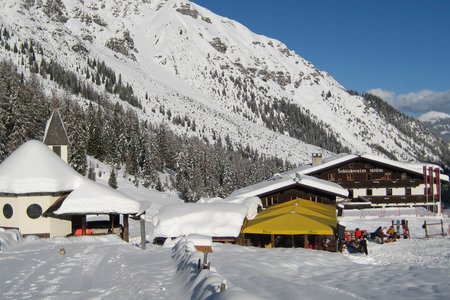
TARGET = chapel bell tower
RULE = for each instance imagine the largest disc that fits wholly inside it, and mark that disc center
(56, 136)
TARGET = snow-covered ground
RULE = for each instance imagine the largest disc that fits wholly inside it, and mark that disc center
(106, 267)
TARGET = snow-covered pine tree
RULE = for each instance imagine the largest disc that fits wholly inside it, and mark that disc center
(112, 181)
(75, 123)
(91, 172)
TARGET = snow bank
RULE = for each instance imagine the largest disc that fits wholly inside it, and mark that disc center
(199, 240)
(387, 212)
(202, 283)
(215, 219)
(9, 237)
(252, 203)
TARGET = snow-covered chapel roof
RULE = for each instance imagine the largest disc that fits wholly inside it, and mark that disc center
(34, 168)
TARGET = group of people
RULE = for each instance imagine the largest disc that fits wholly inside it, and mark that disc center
(387, 235)
(358, 243)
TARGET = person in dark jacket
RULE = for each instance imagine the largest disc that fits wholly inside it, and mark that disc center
(378, 235)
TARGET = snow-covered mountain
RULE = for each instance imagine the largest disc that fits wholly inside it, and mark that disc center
(433, 117)
(184, 62)
(439, 122)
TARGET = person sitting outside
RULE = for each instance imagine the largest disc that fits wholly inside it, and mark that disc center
(355, 246)
(391, 235)
(358, 234)
(378, 235)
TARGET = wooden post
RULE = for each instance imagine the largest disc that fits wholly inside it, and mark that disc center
(272, 240)
(305, 241)
(438, 190)
(205, 258)
(125, 233)
(143, 237)
(425, 227)
(442, 228)
(111, 217)
(292, 241)
(83, 225)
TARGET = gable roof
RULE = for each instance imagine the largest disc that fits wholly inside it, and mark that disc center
(55, 132)
(280, 181)
(416, 168)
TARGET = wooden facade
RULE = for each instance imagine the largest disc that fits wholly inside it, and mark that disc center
(296, 191)
(383, 184)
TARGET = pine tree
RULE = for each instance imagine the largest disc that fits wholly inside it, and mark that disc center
(91, 172)
(112, 181)
(75, 123)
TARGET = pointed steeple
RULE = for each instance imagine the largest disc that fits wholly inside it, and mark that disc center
(56, 136)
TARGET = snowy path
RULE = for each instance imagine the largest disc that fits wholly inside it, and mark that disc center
(91, 268)
(299, 273)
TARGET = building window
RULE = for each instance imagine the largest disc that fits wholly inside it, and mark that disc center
(389, 192)
(403, 176)
(408, 191)
(7, 211)
(349, 177)
(331, 177)
(387, 176)
(369, 192)
(34, 211)
(369, 176)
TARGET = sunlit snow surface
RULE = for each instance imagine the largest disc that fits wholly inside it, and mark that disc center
(106, 267)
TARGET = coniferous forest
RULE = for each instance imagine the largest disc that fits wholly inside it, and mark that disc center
(117, 137)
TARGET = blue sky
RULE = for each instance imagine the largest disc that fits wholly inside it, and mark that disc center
(399, 47)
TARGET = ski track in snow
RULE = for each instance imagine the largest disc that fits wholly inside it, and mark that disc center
(106, 267)
(86, 271)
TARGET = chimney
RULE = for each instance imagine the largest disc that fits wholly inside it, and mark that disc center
(316, 159)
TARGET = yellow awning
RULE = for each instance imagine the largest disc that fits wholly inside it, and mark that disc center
(294, 217)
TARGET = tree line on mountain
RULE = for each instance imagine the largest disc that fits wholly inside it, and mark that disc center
(97, 72)
(117, 136)
(280, 115)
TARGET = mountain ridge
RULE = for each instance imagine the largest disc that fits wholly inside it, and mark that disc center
(181, 58)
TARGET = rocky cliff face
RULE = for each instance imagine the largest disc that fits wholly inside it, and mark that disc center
(183, 62)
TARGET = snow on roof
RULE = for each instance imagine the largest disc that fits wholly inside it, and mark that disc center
(212, 219)
(93, 198)
(34, 168)
(412, 167)
(280, 181)
(337, 160)
(328, 162)
(252, 204)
